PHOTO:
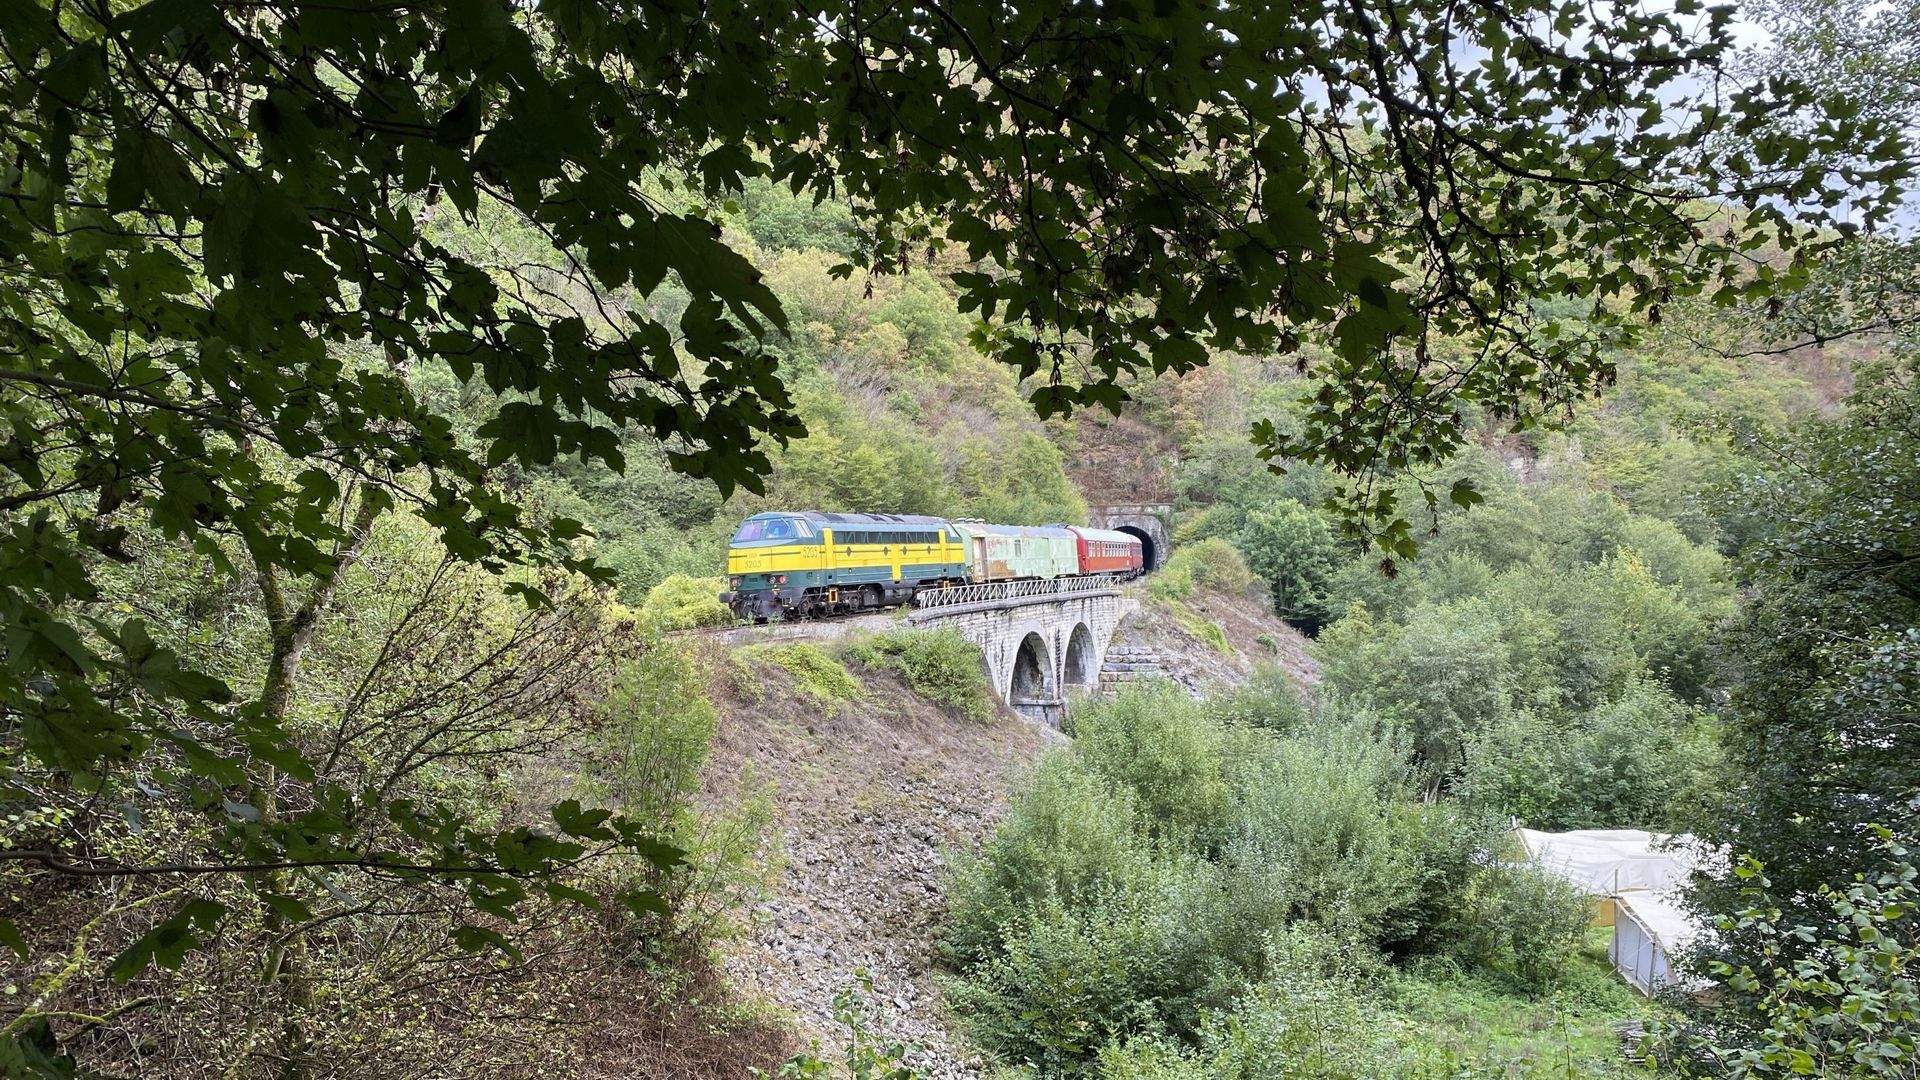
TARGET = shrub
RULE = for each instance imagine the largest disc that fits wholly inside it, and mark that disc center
(1448, 846)
(1303, 1023)
(1849, 1007)
(1174, 580)
(1211, 563)
(1523, 923)
(1320, 807)
(1128, 958)
(1152, 1057)
(818, 677)
(1639, 760)
(655, 735)
(682, 603)
(1269, 700)
(941, 666)
(1066, 834)
(1159, 745)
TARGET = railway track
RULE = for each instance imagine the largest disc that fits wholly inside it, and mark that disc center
(951, 598)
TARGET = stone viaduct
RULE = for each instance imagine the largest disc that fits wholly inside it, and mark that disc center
(1040, 638)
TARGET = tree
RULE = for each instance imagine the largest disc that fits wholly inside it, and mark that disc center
(231, 236)
(1823, 725)
(1848, 1006)
(1291, 548)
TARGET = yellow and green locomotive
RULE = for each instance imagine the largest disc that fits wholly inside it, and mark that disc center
(783, 565)
(809, 564)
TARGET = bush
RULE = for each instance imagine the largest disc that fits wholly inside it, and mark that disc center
(1129, 958)
(1269, 700)
(1448, 846)
(819, 678)
(1847, 1008)
(1211, 563)
(1159, 745)
(941, 666)
(682, 603)
(1303, 1023)
(1524, 923)
(1310, 1018)
(1319, 809)
(655, 735)
(1640, 760)
(1066, 834)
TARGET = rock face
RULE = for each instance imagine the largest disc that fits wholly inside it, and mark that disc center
(1249, 636)
(871, 796)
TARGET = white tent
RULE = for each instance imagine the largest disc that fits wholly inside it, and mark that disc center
(1636, 877)
(1607, 862)
(1651, 927)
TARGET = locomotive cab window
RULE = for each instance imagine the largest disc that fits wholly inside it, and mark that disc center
(769, 529)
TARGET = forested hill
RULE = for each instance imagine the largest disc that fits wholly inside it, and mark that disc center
(904, 414)
(1533, 386)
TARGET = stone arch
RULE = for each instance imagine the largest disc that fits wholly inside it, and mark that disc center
(1146, 521)
(1149, 551)
(1082, 660)
(1032, 676)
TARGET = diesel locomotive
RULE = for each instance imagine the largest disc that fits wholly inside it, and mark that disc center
(808, 565)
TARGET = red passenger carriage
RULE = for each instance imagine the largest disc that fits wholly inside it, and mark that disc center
(1104, 551)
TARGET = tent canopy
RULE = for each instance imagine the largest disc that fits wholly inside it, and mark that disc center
(1642, 874)
(1608, 862)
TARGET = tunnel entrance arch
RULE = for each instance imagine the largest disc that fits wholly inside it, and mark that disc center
(1149, 552)
(1146, 522)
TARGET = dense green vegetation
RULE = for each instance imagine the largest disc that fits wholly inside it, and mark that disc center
(379, 384)
(1573, 652)
(1180, 894)
(1265, 885)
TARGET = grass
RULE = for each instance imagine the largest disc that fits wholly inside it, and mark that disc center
(1202, 628)
(1489, 1028)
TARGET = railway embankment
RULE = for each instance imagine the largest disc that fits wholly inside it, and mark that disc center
(874, 789)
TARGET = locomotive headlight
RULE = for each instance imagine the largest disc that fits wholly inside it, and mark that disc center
(779, 579)
(733, 583)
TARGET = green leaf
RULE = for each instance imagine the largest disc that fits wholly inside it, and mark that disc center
(1464, 495)
(167, 943)
(474, 939)
(10, 937)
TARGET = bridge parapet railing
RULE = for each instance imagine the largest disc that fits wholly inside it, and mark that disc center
(995, 591)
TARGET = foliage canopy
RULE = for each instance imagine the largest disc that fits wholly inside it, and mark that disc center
(225, 259)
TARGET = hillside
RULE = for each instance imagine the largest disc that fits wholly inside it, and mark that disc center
(874, 790)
